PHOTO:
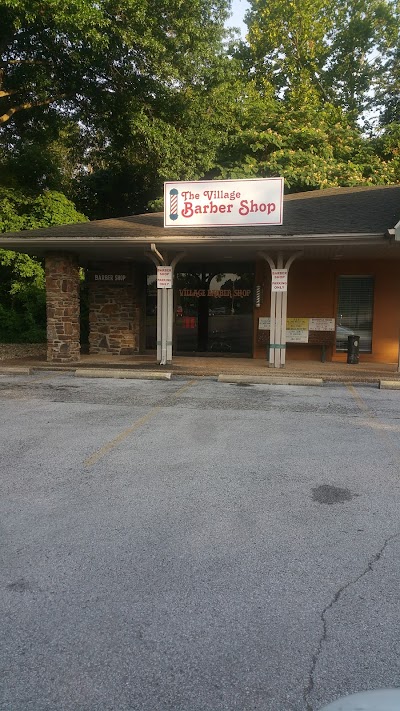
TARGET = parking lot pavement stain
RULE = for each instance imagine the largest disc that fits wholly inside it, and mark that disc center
(327, 494)
(20, 586)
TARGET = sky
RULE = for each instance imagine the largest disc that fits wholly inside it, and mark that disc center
(239, 8)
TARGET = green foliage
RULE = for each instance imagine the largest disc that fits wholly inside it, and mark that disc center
(130, 90)
(102, 102)
(26, 211)
(22, 299)
(22, 289)
(25, 320)
(311, 147)
(333, 48)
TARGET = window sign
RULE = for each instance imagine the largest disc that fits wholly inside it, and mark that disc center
(322, 324)
(297, 335)
(264, 323)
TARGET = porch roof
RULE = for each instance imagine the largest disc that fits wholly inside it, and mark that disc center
(361, 218)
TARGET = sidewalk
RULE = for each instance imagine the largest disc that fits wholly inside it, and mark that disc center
(214, 366)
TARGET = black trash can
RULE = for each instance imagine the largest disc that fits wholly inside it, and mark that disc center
(353, 350)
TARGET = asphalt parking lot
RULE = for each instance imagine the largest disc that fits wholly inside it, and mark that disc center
(196, 546)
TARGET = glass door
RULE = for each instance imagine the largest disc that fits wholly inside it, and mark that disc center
(214, 310)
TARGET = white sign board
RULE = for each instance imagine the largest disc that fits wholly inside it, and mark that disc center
(297, 335)
(164, 277)
(223, 203)
(279, 279)
(322, 324)
(264, 323)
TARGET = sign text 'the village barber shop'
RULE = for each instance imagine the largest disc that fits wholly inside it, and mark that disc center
(223, 203)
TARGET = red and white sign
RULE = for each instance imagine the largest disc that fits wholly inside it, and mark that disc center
(279, 279)
(223, 203)
(164, 277)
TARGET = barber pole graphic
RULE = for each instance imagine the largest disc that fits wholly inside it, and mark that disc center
(173, 204)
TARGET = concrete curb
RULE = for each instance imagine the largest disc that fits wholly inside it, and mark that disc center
(14, 370)
(112, 373)
(55, 368)
(268, 380)
(389, 384)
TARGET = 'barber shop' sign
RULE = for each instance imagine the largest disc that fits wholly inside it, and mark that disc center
(222, 203)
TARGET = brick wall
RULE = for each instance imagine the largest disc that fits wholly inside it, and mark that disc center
(115, 316)
(62, 304)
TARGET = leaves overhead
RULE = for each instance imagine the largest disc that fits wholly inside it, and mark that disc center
(104, 101)
(333, 49)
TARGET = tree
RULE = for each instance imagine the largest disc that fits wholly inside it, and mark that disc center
(175, 136)
(389, 86)
(22, 294)
(335, 48)
(144, 80)
(313, 69)
(312, 145)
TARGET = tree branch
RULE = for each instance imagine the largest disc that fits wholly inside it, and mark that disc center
(22, 61)
(7, 93)
(28, 105)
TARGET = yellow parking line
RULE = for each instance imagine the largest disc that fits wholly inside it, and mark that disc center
(372, 420)
(360, 402)
(96, 456)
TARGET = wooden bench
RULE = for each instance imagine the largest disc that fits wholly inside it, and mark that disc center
(325, 339)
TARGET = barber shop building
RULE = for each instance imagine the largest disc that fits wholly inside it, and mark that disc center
(232, 268)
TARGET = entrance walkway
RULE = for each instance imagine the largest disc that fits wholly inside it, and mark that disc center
(214, 366)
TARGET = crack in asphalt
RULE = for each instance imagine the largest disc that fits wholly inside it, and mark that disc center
(308, 690)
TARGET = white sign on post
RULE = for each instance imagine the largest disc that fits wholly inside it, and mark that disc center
(164, 277)
(279, 279)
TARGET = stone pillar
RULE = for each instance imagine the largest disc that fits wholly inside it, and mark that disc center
(63, 308)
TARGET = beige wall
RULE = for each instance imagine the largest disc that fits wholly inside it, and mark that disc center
(312, 292)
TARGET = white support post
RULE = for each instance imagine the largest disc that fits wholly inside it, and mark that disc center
(278, 330)
(272, 339)
(170, 309)
(165, 309)
(164, 325)
(277, 338)
(278, 321)
(283, 335)
(159, 325)
(170, 322)
(284, 307)
(272, 331)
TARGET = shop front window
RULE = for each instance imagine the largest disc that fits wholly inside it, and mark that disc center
(213, 310)
(355, 311)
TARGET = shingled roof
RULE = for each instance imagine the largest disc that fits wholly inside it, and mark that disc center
(347, 211)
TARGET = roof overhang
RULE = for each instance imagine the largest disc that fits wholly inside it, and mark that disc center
(208, 247)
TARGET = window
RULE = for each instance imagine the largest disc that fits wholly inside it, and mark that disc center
(355, 311)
